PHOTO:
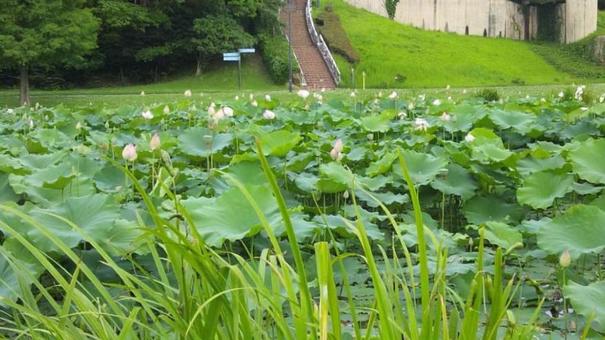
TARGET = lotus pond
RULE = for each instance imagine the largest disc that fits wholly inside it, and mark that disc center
(250, 218)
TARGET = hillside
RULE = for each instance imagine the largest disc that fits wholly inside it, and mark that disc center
(396, 55)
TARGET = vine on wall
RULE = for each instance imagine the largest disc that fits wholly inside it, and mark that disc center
(391, 6)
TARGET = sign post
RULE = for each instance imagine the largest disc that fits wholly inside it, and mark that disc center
(237, 56)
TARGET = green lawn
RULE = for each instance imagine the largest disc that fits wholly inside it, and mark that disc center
(433, 59)
(222, 79)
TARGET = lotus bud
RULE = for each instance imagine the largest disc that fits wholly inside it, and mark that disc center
(345, 195)
(142, 93)
(565, 259)
(267, 97)
(79, 126)
(31, 123)
(188, 93)
(166, 109)
(269, 115)
(154, 143)
(303, 94)
(446, 117)
(147, 115)
(353, 94)
(436, 102)
(254, 103)
(393, 95)
(402, 115)
(236, 98)
(130, 153)
(10, 111)
(561, 94)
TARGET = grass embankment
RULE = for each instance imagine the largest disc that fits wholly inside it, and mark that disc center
(396, 55)
(575, 58)
(221, 79)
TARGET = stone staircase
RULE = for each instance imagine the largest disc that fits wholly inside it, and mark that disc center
(315, 71)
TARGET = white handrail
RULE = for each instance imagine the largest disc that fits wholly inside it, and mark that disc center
(319, 41)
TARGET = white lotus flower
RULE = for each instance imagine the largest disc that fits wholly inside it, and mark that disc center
(269, 115)
(188, 93)
(303, 94)
(251, 96)
(402, 114)
(422, 97)
(370, 136)
(166, 109)
(154, 143)
(254, 103)
(561, 94)
(602, 99)
(318, 96)
(31, 123)
(323, 89)
(464, 91)
(469, 138)
(380, 94)
(421, 124)
(449, 98)
(446, 117)
(10, 111)
(79, 126)
(218, 115)
(580, 92)
(267, 97)
(353, 94)
(147, 115)
(447, 87)
(228, 111)
(130, 153)
(411, 106)
(393, 95)
(436, 102)
(236, 98)
(142, 93)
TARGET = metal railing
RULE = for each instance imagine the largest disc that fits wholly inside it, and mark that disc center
(319, 41)
(303, 82)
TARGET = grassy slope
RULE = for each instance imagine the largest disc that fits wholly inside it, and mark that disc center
(435, 59)
(221, 79)
(575, 58)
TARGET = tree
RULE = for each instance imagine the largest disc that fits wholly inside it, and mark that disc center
(217, 34)
(44, 33)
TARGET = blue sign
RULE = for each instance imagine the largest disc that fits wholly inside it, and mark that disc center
(235, 56)
(247, 50)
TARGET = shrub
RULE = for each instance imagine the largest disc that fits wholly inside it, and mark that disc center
(391, 6)
(489, 95)
(329, 25)
(274, 49)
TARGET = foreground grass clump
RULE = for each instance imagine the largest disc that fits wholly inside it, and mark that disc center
(383, 218)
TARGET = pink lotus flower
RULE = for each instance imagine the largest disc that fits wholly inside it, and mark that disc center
(336, 152)
(130, 153)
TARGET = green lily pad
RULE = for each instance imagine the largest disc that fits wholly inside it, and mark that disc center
(588, 301)
(230, 216)
(519, 121)
(502, 235)
(481, 209)
(457, 181)
(540, 189)
(280, 142)
(381, 166)
(201, 142)
(588, 161)
(423, 167)
(333, 178)
(580, 230)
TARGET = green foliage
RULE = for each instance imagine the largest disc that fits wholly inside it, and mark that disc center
(275, 56)
(391, 7)
(434, 226)
(329, 25)
(30, 37)
(217, 34)
(489, 95)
